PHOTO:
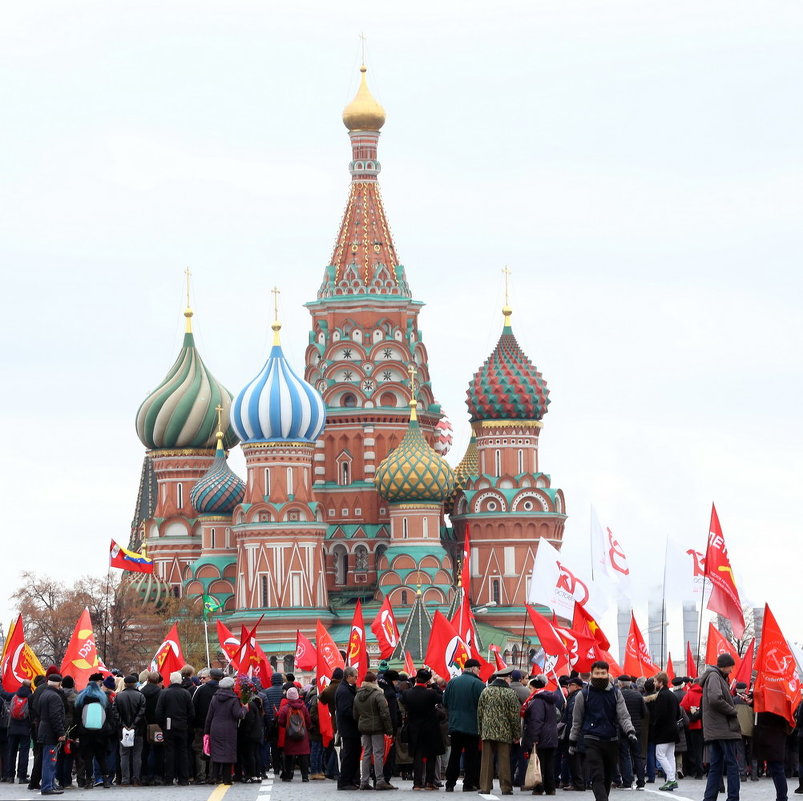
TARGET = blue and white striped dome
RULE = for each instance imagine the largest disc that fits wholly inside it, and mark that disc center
(278, 405)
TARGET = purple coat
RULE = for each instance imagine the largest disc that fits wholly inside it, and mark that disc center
(224, 715)
(295, 747)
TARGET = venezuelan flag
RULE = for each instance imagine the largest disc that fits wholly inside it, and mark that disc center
(129, 560)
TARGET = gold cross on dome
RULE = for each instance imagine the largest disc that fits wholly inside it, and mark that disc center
(219, 410)
(413, 371)
(506, 272)
(275, 292)
(362, 43)
(187, 274)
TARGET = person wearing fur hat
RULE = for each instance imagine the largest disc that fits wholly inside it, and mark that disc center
(152, 752)
(92, 711)
(422, 705)
(222, 719)
(460, 699)
(174, 713)
(51, 732)
(130, 706)
(540, 731)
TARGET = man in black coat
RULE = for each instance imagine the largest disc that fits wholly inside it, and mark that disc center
(664, 729)
(273, 699)
(175, 715)
(152, 753)
(387, 683)
(130, 706)
(350, 740)
(201, 700)
(630, 759)
(50, 732)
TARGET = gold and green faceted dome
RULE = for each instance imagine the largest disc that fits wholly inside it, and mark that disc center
(413, 471)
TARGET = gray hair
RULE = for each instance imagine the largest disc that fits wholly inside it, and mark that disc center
(349, 671)
(203, 673)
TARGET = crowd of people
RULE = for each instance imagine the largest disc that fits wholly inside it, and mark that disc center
(580, 732)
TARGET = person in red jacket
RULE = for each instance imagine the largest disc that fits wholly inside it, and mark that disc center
(295, 721)
(692, 704)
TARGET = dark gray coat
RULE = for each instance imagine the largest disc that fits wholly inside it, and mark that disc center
(720, 721)
(540, 722)
(225, 713)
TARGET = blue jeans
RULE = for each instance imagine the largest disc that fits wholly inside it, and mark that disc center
(316, 757)
(49, 756)
(722, 758)
(18, 744)
(651, 766)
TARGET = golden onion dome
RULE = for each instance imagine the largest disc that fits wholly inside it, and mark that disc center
(469, 466)
(363, 113)
(413, 471)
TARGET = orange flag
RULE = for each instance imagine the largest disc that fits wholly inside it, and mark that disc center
(777, 688)
(19, 662)
(229, 644)
(168, 657)
(446, 652)
(386, 630)
(81, 657)
(463, 622)
(724, 598)
(357, 650)
(716, 645)
(637, 658)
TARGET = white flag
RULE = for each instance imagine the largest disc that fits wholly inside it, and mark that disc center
(557, 586)
(608, 558)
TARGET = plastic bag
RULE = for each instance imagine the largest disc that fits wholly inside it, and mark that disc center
(127, 740)
(533, 775)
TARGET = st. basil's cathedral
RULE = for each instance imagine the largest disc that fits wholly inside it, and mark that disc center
(347, 490)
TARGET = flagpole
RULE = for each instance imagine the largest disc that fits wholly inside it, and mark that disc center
(700, 623)
(206, 641)
(523, 628)
(106, 616)
(663, 601)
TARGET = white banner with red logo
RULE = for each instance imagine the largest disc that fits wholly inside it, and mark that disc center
(556, 585)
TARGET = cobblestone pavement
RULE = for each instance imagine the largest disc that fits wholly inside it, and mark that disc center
(689, 790)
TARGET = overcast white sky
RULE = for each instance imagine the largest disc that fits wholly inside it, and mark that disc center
(638, 165)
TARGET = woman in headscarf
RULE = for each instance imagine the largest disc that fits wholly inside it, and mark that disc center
(225, 713)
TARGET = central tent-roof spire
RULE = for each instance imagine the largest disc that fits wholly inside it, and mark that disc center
(364, 260)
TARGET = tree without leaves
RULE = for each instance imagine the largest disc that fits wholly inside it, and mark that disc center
(127, 632)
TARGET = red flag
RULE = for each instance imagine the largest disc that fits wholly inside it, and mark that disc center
(306, 655)
(777, 688)
(724, 598)
(329, 658)
(19, 662)
(463, 622)
(670, 668)
(253, 661)
(637, 658)
(691, 665)
(745, 670)
(716, 645)
(613, 665)
(409, 665)
(81, 657)
(385, 630)
(465, 567)
(229, 644)
(446, 652)
(583, 618)
(497, 654)
(357, 650)
(168, 657)
(550, 639)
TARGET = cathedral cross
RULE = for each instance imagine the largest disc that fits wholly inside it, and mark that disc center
(275, 292)
(506, 273)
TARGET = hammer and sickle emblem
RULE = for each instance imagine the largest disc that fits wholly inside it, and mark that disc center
(616, 555)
